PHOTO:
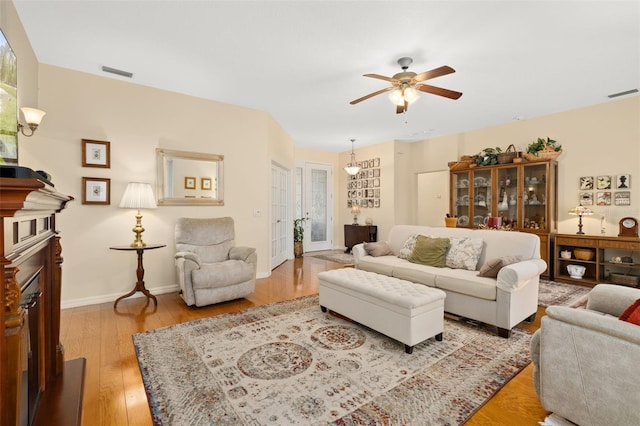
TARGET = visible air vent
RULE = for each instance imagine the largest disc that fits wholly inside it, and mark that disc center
(117, 72)
(627, 92)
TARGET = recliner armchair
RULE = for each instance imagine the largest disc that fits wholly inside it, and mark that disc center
(211, 269)
(586, 360)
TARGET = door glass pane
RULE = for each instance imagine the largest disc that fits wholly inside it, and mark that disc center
(318, 205)
(534, 197)
(299, 186)
(481, 197)
(461, 197)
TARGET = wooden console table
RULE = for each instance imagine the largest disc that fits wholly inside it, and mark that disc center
(139, 272)
(356, 234)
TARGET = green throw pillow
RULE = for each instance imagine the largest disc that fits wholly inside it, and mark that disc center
(430, 251)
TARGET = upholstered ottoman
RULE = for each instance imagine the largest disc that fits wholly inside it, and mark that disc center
(402, 310)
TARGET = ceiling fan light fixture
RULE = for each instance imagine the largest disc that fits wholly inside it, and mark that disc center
(396, 97)
(410, 95)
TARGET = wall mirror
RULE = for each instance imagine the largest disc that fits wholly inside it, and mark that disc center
(189, 178)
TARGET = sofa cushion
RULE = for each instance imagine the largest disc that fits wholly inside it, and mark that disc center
(430, 251)
(222, 274)
(377, 249)
(407, 248)
(381, 265)
(464, 253)
(493, 266)
(416, 273)
(466, 282)
(632, 313)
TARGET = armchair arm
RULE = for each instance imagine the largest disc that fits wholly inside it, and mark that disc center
(596, 321)
(514, 276)
(241, 253)
(358, 252)
(612, 299)
(188, 256)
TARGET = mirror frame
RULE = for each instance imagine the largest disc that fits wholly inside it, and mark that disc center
(163, 155)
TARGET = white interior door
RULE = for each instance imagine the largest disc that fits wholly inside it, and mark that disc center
(316, 204)
(280, 206)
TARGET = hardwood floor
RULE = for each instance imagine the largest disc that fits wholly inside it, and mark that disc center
(113, 390)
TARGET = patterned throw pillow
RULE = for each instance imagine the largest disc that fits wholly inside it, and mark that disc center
(407, 248)
(493, 266)
(430, 251)
(464, 253)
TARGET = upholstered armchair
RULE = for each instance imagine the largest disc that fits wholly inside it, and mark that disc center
(211, 269)
(586, 361)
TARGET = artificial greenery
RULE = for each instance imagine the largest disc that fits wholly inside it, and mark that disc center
(298, 229)
(537, 146)
(488, 156)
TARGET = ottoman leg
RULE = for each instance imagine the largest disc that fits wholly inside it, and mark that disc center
(323, 309)
(439, 337)
(408, 349)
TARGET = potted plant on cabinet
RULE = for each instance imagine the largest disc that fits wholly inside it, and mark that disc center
(298, 236)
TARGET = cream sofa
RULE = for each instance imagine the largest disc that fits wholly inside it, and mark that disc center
(504, 301)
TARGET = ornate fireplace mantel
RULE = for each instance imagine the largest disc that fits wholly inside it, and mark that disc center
(30, 250)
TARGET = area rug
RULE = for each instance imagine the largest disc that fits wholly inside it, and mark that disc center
(338, 256)
(553, 293)
(289, 363)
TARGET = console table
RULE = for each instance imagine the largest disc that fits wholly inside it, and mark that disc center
(139, 272)
(356, 234)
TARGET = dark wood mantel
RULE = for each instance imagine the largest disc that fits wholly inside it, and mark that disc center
(30, 248)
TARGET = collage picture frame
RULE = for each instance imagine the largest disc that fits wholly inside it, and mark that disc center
(363, 189)
(605, 190)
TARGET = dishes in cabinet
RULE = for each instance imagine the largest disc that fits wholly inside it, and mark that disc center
(463, 220)
(479, 181)
(463, 183)
(463, 200)
(478, 220)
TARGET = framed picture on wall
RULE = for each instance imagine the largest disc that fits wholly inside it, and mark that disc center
(623, 181)
(586, 198)
(96, 191)
(622, 198)
(96, 153)
(205, 184)
(189, 182)
(9, 109)
(603, 198)
(603, 182)
(586, 183)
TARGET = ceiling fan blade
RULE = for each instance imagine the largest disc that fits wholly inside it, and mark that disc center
(381, 77)
(438, 91)
(370, 95)
(436, 72)
(402, 108)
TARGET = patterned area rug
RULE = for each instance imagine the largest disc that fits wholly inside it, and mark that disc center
(289, 363)
(338, 256)
(553, 293)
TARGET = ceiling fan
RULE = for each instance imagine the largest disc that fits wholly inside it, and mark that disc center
(404, 85)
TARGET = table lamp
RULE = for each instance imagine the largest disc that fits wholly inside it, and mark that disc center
(355, 211)
(580, 211)
(138, 195)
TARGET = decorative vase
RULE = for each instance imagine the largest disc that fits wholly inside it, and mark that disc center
(297, 248)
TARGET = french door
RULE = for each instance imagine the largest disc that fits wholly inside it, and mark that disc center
(280, 208)
(314, 201)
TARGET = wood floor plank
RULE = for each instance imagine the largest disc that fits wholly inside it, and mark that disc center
(114, 392)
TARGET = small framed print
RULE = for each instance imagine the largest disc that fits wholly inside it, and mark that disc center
(376, 162)
(586, 198)
(96, 153)
(623, 181)
(586, 183)
(603, 182)
(603, 198)
(189, 182)
(96, 191)
(622, 198)
(376, 202)
(205, 184)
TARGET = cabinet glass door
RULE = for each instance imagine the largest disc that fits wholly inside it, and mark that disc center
(481, 197)
(460, 197)
(508, 196)
(534, 197)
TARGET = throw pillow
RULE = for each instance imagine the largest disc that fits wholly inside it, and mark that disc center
(632, 313)
(430, 251)
(464, 253)
(377, 249)
(493, 266)
(407, 248)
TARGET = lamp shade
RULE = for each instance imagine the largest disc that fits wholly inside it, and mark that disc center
(581, 211)
(138, 195)
(32, 115)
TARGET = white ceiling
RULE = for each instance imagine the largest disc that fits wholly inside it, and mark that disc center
(302, 61)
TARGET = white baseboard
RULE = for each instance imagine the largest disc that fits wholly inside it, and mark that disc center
(86, 301)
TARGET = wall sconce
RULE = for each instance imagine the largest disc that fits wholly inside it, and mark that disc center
(33, 117)
(352, 168)
(580, 211)
(138, 195)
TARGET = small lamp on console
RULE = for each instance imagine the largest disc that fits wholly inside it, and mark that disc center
(138, 195)
(355, 211)
(33, 117)
(580, 211)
